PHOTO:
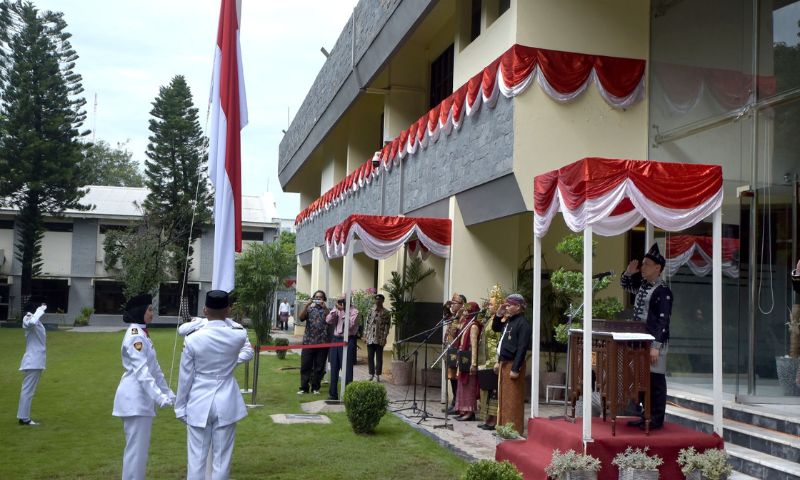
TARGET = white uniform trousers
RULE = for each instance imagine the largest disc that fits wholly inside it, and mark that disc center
(29, 383)
(212, 440)
(137, 446)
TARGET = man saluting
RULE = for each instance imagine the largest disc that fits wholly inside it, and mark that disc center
(208, 400)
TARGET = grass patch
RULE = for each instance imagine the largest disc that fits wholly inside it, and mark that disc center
(79, 439)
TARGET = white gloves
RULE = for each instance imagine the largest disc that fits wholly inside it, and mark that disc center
(166, 401)
(41, 309)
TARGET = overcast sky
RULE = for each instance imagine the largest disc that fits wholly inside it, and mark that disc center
(128, 49)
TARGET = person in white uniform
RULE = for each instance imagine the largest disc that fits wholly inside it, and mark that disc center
(209, 401)
(34, 358)
(141, 388)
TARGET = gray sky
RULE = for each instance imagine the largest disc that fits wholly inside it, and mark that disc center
(128, 49)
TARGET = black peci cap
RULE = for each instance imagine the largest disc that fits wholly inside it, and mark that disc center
(136, 307)
(217, 299)
(655, 255)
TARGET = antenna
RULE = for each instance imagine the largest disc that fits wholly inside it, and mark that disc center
(94, 118)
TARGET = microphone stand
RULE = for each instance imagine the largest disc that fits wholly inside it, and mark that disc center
(415, 353)
(424, 415)
(446, 425)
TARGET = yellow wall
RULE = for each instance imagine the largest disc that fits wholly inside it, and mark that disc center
(335, 277)
(318, 270)
(303, 284)
(484, 254)
(496, 38)
(363, 272)
(363, 137)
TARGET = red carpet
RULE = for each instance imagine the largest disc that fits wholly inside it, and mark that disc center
(532, 455)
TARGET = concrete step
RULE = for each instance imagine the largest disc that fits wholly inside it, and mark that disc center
(754, 450)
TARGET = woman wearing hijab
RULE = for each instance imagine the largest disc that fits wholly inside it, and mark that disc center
(141, 388)
(467, 392)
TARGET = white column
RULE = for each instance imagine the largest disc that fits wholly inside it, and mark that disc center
(537, 322)
(716, 299)
(348, 286)
(587, 335)
(649, 236)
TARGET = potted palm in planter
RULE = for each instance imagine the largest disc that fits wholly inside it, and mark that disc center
(401, 292)
(709, 465)
(572, 465)
(636, 464)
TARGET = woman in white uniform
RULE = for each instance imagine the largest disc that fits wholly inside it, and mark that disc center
(142, 387)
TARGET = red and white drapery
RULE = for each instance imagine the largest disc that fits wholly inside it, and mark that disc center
(608, 197)
(613, 196)
(695, 251)
(563, 76)
(382, 236)
(684, 85)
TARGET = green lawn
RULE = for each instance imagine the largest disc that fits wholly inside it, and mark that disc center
(79, 438)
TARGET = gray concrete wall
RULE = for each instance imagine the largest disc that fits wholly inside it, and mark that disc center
(482, 151)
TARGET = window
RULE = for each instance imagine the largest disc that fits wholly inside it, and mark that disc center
(169, 298)
(442, 77)
(475, 20)
(108, 298)
(503, 6)
(112, 228)
(6, 224)
(58, 227)
(257, 236)
(55, 293)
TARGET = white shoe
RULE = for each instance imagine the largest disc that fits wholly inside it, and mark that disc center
(301, 392)
(28, 423)
(315, 392)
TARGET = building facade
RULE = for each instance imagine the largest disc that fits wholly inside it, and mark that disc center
(449, 109)
(73, 269)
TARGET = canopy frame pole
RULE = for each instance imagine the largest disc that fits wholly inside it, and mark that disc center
(446, 297)
(587, 336)
(348, 281)
(717, 317)
(537, 322)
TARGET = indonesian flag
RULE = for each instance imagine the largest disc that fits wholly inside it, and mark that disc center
(228, 117)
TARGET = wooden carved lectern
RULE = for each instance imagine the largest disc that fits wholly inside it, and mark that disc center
(621, 366)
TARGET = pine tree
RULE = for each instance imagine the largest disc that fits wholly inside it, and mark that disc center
(40, 116)
(176, 162)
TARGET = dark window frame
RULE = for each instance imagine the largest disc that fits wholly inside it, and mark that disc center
(441, 81)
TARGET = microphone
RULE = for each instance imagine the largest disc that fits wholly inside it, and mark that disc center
(600, 276)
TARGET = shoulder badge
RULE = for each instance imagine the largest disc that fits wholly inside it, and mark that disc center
(134, 331)
(238, 328)
(138, 346)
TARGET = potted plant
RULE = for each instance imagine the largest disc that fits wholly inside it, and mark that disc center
(490, 469)
(709, 465)
(636, 464)
(401, 293)
(506, 432)
(572, 465)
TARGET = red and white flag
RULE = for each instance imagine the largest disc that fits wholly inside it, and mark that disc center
(228, 117)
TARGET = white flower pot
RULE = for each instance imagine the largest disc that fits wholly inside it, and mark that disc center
(634, 474)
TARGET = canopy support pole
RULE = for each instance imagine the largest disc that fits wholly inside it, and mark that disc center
(445, 298)
(537, 323)
(587, 336)
(348, 281)
(717, 317)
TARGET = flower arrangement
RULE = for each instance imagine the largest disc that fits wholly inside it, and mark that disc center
(712, 464)
(636, 464)
(570, 461)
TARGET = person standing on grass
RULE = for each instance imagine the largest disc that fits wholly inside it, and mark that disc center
(33, 360)
(209, 401)
(313, 360)
(141, 388)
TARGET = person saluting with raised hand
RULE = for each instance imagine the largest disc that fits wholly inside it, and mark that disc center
(34, 359)
(141, 388)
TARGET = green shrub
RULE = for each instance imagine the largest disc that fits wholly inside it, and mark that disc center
(491, 470)
(365, 404)
(281, 342)
(83, 318)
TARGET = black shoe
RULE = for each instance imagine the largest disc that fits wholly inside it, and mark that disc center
(28, 422)
(653, 426)
(636, 423)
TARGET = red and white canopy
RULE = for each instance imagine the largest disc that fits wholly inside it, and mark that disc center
(614, 195)
(382, 236)
(695, 251)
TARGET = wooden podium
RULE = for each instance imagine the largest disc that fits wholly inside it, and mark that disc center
(621, 367)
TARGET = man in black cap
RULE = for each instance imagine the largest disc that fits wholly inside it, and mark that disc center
(209, 401)
(141, 389)
(653, 305)
(35, 356)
